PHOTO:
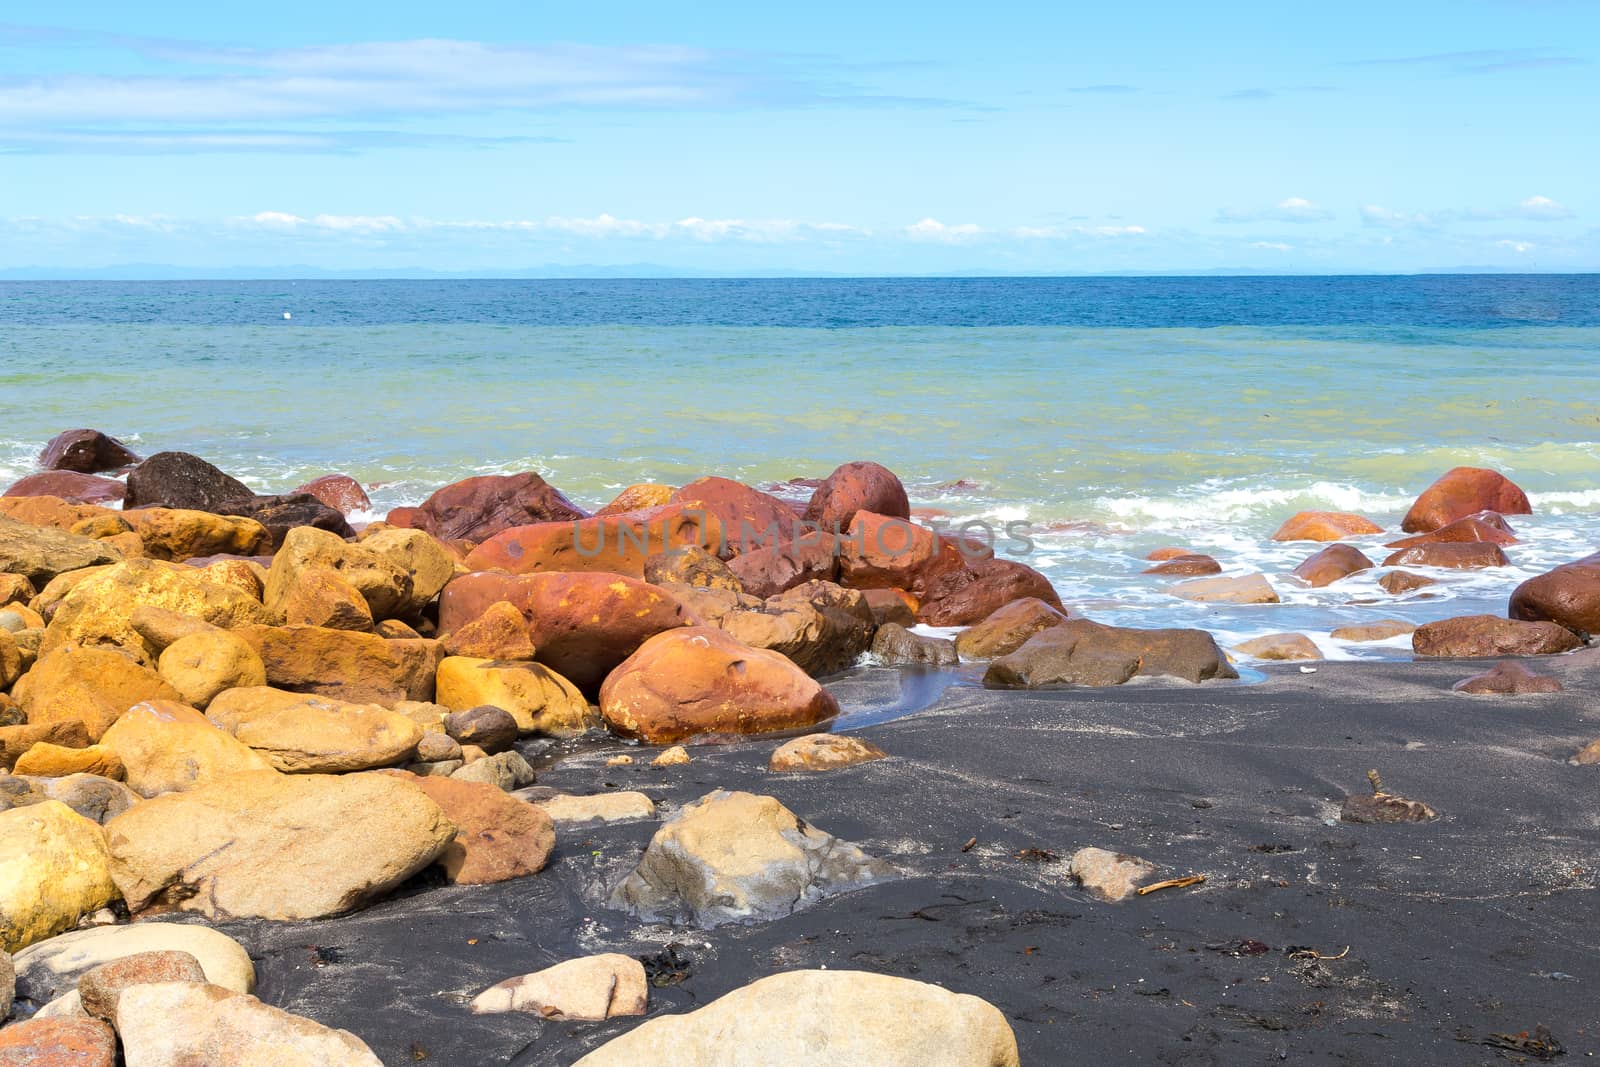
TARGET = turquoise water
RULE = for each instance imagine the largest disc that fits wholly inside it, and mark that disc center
(1107, 440)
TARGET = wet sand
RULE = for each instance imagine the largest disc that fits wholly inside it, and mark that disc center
(1479, 923)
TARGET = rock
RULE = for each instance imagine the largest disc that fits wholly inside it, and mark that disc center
(39, 553)
(71, 1042)
(176, 534)
(621, 806)
(427, 561)
(274, 846)
(500, 633)
(822, 1018)
(15, 589)
(589, 989)
(169, 747)
(537, 698)
(1250, 589)
(699, 680)
(356, 667)
(92, 685)
(1508, 679)
(181, 1024)
(102, 987)
(611, 544)
(1384, 808)
(437, 747)
(320, 597)
(95, 798)
(498, 837)
(87, 451)
(476, 509)
(894, 645)
(1588, 755)
(10, 659)
(1325, 526)
(1109, 876)
(690, 566)
(52, 968)
(1463, 555)
(204, 664)
(1382, 630)
(1486, 635)
(69, 486)
(822, 627)
(506, 771)
(60, 514)
(582, 624)
(99, 610)
(1006, 629)
(676, 756)
(289, 511)
(1080, 652)
(890, 605)
(1464, 491)
(181, 480)
(1332, 564)
(54, 869)
(733, 857)
(1160, 555)
(383, 583)
(620, 761)
(855, 487)
(979, 588)
(1280, 647)
(637, 498)
(395, 630)
(56, 761)
(749, 518)
(1568, 595)
(1398, 583)
(308, 734)
(1186, 567)
(490, 728)
(8, 986)
(768, 571)
(883, 552)
(338, 491)
(1484, 526)
(15, 740)
(822, 752)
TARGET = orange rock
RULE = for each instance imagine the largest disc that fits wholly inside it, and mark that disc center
(1325, 526)
(319, 596)
(1458, 555)
(853, 487)
(50, 511)
(637, 498)
(57, 761)
(1489, 635)
(92, 685)
(883, 552)
(1006, 629)
(747, 516)
(357, 667)
(1464, 491)
(1331, 564)
(497, 836)
(1161, 555)
(1484, 526)
(1399, 583)
(500, 633)
(15, 740)
(614, 544)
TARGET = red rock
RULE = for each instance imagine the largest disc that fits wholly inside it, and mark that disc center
(765, 572)
(853, 487)
(1161, 555)
(1401, 582)
(476, 509)
(498, 837)
(699, 680)
(1325, 526)
(1459, 555)
(64, 1041)
(1331, 564)
(340, 492)
(750, 518)
(881, 552)
(1480, 636)
(1484, 526)
(975, 591)
(1568, 594)
(613, 544)
(85, 451)
(582, 625)
(1008, 628)
(1508, 679)
(101, 987)
(1461, 492)
(891, 605)
(70, 486)
(1186, 566)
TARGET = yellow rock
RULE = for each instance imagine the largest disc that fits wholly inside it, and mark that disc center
(202, 665)
(822, 752)
(384, 584)
(92, 685)
(676, 756)
(245, 575)
(537, 697)
(499, 633)
(357, 667)
(57, 761)
(179, 534)
(10, 659)
(421, 555)
(54, 869)
(320, 597)
(31, 620)
(169, 747)
(301, 733)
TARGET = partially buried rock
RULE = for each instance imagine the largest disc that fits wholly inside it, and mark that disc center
(490, 728)
(823, 752)
(589, 989)
(56, 871)
(1399, 583)
(1383, 807)
(95, 798)
(823, 1018)
(1475, 636)
(536, 697)
(1464, 491)
(87, 451)
(676, 756)
(1109, 876)
(624, 805)
(895, 646)
(1456, 555)
(1281, 647)
(1508, 679)
(1008, 628)
(1250, 589)
(498, 837)
(302, 733)
(1191, 566)
(1382, 630)
(1080, 652)
(1568, 594)
(1588, 755)
(1325, 526)
(1484, 526)
(735, 857)
(1332, 564)
(169, 747)
(177, 1024)
(65, 1042)
(102, 987)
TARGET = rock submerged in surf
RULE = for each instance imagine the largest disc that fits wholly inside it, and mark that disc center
(1249, 589)
(1083, 653)
(1332, 564)
(1325, 526)
(1481, 636)
(1568, 595)
(1464, 491)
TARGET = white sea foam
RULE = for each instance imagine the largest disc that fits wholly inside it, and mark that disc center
(1210, 504)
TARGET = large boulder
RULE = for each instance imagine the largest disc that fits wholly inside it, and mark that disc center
(1080, 652)
(385, 585)
(54, 869)
(1331, 564)
(581, 624)
(1476, 636)
(822, 1019)
(976, 590)
(94, 686)
(853, 487)
(498, 836)
(1483, 526)
(201, 665)
(1568, 594)
(637, 497)
(700, 680)
(276, 846)
(183, 1024)
(359, 667)
(1457, 555)
(768, 571)
(749, 518)
(338, 491)
(1006, 628)
(178, 534)
(501, 632)
(182, 480)
(885, 552)
(320, 596)
(1464, 491)
(39, 553)
(1325, 526)
(51, 968)
(614, 544)
(169, 747)
(536, 697)
(86, 451)
(307, 734)
(289, 511)
(737, 857)
(102, 987)
(426, 560)
(894, 646)
(822, 627)
(476, 509)
(69, 486)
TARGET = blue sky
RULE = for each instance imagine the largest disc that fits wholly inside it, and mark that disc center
(830, 137)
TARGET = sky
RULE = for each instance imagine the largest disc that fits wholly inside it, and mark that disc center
(823, 137)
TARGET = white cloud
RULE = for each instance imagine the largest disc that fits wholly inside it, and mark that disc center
(1518, 247)
(931, 229)
(1062, 232)
(1531, 209)
(1543, 209)
(1291, 209)
(1273, 246)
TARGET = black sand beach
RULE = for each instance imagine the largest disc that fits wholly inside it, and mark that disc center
(1311, 941)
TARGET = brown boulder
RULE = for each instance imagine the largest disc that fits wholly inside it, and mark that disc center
(894, 645)
(853, 487)
(614, 544)
(1461, 492)
(978, 588)
(45, 760)
(1398, 583)
(749, 518)
(1508, 679)
(1478, 636)
(582, 624)
(500, 633)
(476, 509)
(53, 511)
(320, 596)
(100, 987)
(1568, 594)
(498, 837)
(487, 727)
(1190, 566)
(338, 491)
(1331, 564)
(768, 571)
(1006, 629)
(358, 667)
(182, 480)
(1325, 526)
(1457, 555)
(539, 699)
(15, 740)
(1161, 555)
(891, 605)
(638, 498)
(882, 552)
(699, 680)
(40, 553)
(1080, 652)
(307, 734)
(822, 627)
(85, 451)
(70, 486)
(15, 589)
(289, 511)
(179, 534)
(1484, 526)
(94, 686)
(382, 582)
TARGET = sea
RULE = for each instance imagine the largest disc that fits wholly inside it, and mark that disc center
(1107, 416)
